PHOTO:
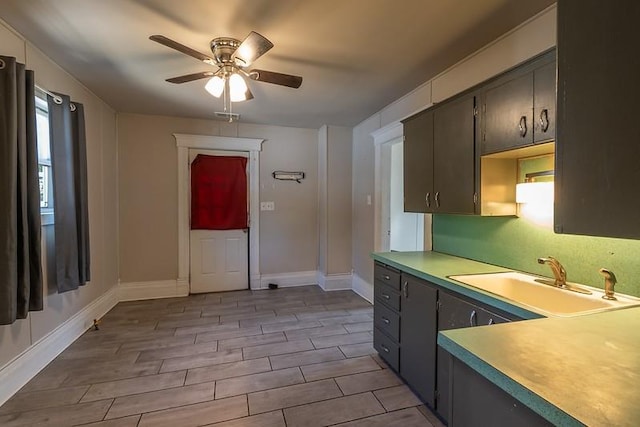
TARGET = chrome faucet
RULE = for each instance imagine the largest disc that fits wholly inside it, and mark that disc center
(559, 273)
(609, 282)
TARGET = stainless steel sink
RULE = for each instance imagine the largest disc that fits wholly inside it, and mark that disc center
(527, 290)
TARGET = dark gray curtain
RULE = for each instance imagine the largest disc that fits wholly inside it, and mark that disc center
(82, 202)
(20, 261)
(69, 167)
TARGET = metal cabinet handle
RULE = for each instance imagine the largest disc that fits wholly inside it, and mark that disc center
(384, 348)
(490, 321)
(428, 199)
(405, 289)
(386, 277)
(386, 321)
(437, 197)
(523, 126)
(544, 120)
(472, 318)
(385, 296)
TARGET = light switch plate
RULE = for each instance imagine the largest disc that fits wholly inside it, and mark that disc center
(267, 206)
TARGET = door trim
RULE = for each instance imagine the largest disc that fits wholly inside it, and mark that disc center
(253, 146)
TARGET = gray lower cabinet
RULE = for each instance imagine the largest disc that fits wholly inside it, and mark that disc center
(405, 328)
(408, 313)
(475, 401)
(455, 313)
(386, 314)
(418, 337)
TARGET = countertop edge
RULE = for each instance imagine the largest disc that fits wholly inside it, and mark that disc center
(539, 405)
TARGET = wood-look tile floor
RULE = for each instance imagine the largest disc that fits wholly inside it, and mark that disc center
(286, 357)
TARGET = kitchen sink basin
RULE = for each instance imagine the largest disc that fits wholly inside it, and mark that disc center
(527, 290)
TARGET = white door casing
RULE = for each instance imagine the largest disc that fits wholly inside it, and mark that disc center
(218, 259)
(184, 142)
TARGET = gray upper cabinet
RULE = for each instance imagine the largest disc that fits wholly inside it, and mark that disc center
(439, 158)
(508, 115)
(518, 107)
(418, 162)
(454, 156)
(544, 103)
(598, 137)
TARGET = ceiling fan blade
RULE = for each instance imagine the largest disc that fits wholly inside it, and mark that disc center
(251, 48)
(276, 78)
(191, 77)
(182, 48)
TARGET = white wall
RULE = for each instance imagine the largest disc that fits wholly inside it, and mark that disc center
(527, 40)
(148, 195)
(19, 338)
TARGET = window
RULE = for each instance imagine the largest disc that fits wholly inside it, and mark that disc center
(45, 174)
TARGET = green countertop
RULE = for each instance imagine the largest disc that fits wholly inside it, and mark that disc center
(582, 370)
(436, 267)
(572, 371)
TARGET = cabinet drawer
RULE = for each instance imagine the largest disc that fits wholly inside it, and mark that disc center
(387, 276)
(388, 350)
(386, 295)
(387, 321)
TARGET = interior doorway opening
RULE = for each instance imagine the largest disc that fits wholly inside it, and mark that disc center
(406, 229)
(396, 230)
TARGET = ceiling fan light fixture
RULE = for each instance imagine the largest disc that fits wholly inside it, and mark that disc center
(215, 86)
(237, 88)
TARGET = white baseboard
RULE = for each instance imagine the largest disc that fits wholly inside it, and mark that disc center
(15, 374)
(133, 291)
(286, 280)
(362, 288)
(334, 282)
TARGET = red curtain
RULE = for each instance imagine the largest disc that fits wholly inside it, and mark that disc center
(218, 193)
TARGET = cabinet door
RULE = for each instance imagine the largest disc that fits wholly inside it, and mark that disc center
(454, 156)
(478, 402)
(544, 103)
(418, 337)
(418, 163)
(454, 313)
(597, 144)
(508, 114)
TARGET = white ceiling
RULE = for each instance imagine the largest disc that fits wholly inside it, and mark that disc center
(356, 56)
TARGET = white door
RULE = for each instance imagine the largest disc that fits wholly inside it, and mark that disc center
(218, 259)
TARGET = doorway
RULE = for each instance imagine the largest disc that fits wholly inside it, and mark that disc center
(404, 230)
(186, 142)
(396, 230)
(219, 235)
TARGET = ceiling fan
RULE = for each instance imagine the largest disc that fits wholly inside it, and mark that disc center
(232, 58)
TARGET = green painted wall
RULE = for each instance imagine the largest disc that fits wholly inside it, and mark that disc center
(517, 242)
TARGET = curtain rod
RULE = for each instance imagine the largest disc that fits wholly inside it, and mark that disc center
(56, 98)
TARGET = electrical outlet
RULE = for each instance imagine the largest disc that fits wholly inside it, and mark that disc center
(267, 206)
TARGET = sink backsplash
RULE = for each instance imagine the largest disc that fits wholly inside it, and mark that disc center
(516, 243)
